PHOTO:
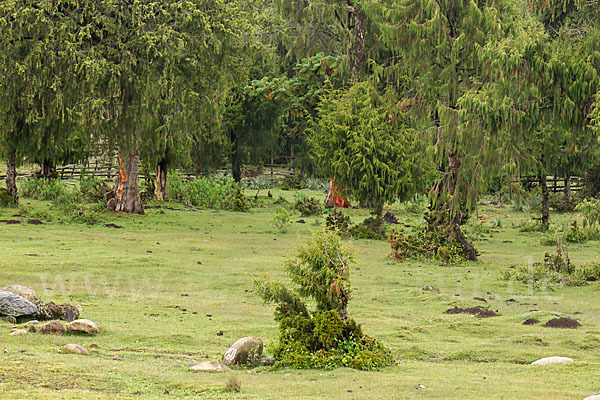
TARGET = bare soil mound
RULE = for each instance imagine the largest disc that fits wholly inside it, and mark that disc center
(563, 323)
(531, 321)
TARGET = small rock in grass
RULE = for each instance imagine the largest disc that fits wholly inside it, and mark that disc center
(246, 349)
(267, 361)
(83, 326)
(18, 332)
(25, 292)
(553, 360)
(427, 288)
(76, 349)
(593, 397)
(10, 319)
(51, 328)
(209, 366)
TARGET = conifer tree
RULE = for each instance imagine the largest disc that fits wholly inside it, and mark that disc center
(436, 46)
(361, 139)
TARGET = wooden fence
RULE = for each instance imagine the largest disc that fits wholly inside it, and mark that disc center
(108, 170)
(555, 184)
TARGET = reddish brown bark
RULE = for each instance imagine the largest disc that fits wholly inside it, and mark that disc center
(126, 187)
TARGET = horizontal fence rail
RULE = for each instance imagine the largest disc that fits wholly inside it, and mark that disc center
(108, 170)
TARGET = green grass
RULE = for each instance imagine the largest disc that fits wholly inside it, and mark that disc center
(130, 281)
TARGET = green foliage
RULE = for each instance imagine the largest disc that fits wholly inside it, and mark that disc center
(574, 233)
(555, 270)
(590, 209)
(362, 141)
(294, 182)
(43, 189)
(308, 206)
(534, 225)
(325, 338)
(93, 190)
(317, 184)
(5, 198)
(370, 228)
(221, 193)
(560, 203)
(337, 221)
(281, 220)
(259, 183)
(426, 243)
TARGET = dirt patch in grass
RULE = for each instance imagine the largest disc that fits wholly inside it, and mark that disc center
(479, 311)
(113, 226)
(34, 222)
(563, 323)
(531, 321)
(10, 221)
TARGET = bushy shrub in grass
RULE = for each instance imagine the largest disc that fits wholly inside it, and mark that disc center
(324, 337)
(307, 206)
(556, 270)
(222, 193)
(6, 199)
(42, 189)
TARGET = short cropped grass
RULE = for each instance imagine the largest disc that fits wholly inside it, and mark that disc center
(164, 285)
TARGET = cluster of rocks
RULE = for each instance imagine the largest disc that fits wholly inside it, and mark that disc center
(246, 351)
(20, 304)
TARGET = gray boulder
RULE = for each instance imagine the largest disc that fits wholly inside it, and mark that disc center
(248, 349)
(25, 292)
(15, 306)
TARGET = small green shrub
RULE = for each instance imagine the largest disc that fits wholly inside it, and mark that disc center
(555, 270)
(259, 183)
(317, 184)
(221, 193)
(92, 190)
(561, 204)
(426, 244)
(42, 189)
(325, 338)
(574, 233)
(282, 201)
(6, 199)
(308, 206)
(281, 219)
(337, 221)
(370, 228)
(294, 182)
(534, 225)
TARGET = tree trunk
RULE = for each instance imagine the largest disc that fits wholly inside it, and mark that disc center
(454, 224)
(568, 194)
(545, 197)
(357, 52)
(11, 176)
(127, 188)
(379, 214)
(161, 180)
(236, 164)
(48, 169)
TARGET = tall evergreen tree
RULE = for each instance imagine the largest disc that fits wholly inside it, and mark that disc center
(436, 46)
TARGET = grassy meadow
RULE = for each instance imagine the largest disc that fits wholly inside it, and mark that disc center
(163, 287)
